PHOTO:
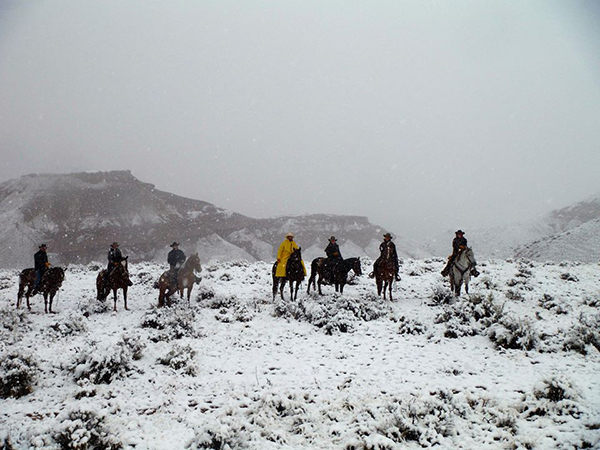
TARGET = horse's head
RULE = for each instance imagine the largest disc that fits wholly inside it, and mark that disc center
(296, 253)
(194, 262)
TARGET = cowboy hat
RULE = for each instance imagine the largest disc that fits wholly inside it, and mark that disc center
(459, 231)
(388, 235)
(332, 238)
(116, 244)
(289, 235)
(175, 244)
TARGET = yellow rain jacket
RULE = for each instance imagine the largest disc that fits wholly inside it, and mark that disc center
(283, 254)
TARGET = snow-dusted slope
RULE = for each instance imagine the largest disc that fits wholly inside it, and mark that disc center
(79, 215)
(581, 243)
(514, 365)
(535, 238)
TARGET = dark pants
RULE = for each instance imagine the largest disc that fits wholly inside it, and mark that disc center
(38, 277)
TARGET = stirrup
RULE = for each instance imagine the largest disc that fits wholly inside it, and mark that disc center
(372, 275)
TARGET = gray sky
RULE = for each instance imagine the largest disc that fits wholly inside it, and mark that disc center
(422, 115)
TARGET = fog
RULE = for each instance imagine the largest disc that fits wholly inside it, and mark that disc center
(424, 116)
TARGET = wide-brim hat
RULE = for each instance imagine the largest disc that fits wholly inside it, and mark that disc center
(332, 238)
(388, 235)
(175, 244)
(116, 244)
(289, 235)
(459, 232)
(42, 246)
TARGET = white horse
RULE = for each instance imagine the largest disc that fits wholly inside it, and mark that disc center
(460, 272)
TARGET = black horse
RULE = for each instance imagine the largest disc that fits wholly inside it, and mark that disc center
(294, 272)
(117, 279)
(49, 285)
(337, 274)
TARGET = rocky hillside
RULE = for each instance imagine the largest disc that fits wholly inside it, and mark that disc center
(80, 214)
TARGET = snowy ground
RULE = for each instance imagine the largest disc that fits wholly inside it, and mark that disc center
(513, 365)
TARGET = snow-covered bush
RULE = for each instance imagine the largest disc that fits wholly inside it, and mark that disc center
(95, 306)
(72, 324)
(221, 435)
(13, 322)
(102, 364)
(488, 283)
(514, 295)
(85, 430)
(441, 295)
(513, 333)
(180, 358)
(240, 312)
(172, 322)
(134, 343)
(556, 396)
(18, 373)
(470, 316)
(333, 313)
(410, 326)
(586, 333)
(553, 304)
(214, 301)
(568, 277)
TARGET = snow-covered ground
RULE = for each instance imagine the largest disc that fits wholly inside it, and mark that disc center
(514, 365)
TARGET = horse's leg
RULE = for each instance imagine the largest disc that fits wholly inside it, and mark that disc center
(297, 287)
(319, 283)
(378, 282)
(275, 285)
(52, 294)
(310, 280)
(46, 302)
(281, 286)
(390, 288)
(125, 298)
(115, 297)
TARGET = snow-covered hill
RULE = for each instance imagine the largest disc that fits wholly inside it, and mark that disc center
(80, 214)
(513, 365)
(562, 234)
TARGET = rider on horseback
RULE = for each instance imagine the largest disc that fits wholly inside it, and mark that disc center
(283, 254)
(334, 257)
(115, 257)
(384, 247)
(459, 243)
(41, 264)
(175, 258)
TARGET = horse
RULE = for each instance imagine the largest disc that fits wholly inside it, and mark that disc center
(338, 273)
(294, 272)
(185, 280)
(385, 275)
(117, 279)
(460, 272)
(49, 285)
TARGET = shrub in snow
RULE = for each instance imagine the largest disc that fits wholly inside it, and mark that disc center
(593, 301)
(12, 323)
(552, 396)
(333, 313)
(180, 358)
(144, 278)
(553, 304)
(241, 312)
(70, 325)
(513, 333)
(219, 301)
(583, 335)
(18, 373)
(205, 293)
(568, 277)
(469, 317)
(514, 295)
(173, 322)
(410, 326)
(95, 306)
(222, 435)
(135, 345)
(85, 430)
(441, 295)
(103, 364)
(488, 283)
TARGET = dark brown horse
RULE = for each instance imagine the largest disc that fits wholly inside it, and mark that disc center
(294, 273)
(385, 274)
(186, 278)
(117, 279)
(336, 275)
(49, 285)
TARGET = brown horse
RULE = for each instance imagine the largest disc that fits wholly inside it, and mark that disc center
(117, 279)
(337, 275)
(49, 285)
(385, 274)
(294, 273)
(185, 280)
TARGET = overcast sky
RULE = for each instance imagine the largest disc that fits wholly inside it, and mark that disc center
(422, 115)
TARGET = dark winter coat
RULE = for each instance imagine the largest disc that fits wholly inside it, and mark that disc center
(114, 256)
(383, 249)
(176, 258)
(456, 243)
(40, 261)
(333, 251)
